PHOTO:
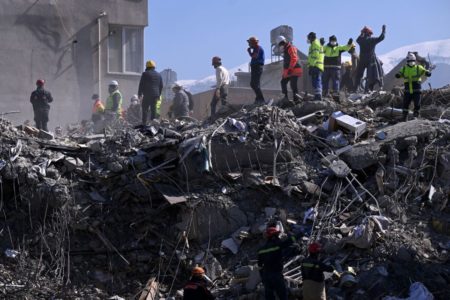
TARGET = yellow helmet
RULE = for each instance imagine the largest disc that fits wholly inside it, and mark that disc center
(150, 64)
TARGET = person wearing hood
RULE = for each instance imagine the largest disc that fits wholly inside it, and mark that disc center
(368, 59)
(41, 99)
(412, 74)
(332, 61)
(315, 64)
(291, 67)
(150, 89)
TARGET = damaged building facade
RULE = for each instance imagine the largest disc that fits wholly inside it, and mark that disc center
(77, 46)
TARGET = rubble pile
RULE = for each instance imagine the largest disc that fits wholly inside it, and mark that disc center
(129, 214)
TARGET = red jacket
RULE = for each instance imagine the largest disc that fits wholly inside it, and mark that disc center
(291, 65)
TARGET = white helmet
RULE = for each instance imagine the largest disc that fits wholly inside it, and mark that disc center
(114, 83)
(410, 57)
(135, 98)
(280, 39)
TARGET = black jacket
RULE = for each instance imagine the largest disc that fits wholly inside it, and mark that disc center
(312, 269)
(40, 99)
(270, 257)
(195, 289)
(367, 46)
(151, 84)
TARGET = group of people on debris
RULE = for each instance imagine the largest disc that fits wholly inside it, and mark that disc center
(324, 65)
(271, 258)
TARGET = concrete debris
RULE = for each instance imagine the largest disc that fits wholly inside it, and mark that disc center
(156, 201)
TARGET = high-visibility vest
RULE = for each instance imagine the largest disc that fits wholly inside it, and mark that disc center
(316, 55)
(110, 102)
(412, 74)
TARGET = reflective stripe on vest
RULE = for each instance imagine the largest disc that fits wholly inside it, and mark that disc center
(110, 102)
(268, 250)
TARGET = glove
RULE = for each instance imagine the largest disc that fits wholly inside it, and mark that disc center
(350, 41)
(322, 41)
(428, 73)
(397, 75)
(383, 28)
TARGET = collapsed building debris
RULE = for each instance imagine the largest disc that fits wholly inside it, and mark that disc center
(132, 212)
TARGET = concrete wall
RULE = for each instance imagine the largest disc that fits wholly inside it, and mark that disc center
(202, 101)
(58, 40)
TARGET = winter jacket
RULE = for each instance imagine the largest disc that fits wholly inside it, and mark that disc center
(270, 256)
(291, 62)
(150, 85)
(195, 289)
(180, 106)
(40, 99)
(367, 46)
(222, 77)
(333, 55)
(257, 55)
(312, 269)
(413, 77)
(315, 55)
(114, 102)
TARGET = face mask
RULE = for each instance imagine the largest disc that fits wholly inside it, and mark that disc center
(333, 43)
(411, 63)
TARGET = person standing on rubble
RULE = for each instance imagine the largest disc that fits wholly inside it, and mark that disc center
(133, 114)
(368, 60)
(291, 67)
(150, 89)
(40, 99)
(332, 61)
(97, 109)
(270, 262)
(412, 74)
(113, 108)
(196, 287)
(312, 271)
(256, 52)
(180, 106)
(315, 64)
(222, 83)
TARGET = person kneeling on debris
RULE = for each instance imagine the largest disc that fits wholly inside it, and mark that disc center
(270, 260)
(412, 73)
(195, 288)
(312, 272)
(180, 106)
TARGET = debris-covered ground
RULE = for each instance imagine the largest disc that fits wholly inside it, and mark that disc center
(123, 215)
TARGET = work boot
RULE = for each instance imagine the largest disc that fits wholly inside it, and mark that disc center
(297, 98)
(416, 114)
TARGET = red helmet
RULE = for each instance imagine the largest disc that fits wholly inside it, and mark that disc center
(272, 231)
(216, 60)
(198, 271)
(367, 30)
(40, 82)
(314, 248)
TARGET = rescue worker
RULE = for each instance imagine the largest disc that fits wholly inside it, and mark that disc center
(222, 83)
(312, 271)
(97, 109)
(150, 89)
(40, 99)
(412, 74)
(332, 63)
(113, 107)
(256, 52)
(270, 261)
(180, 106)
(315, 64)
(196, 287)
(134, 113)
(368, 59)
(291, 67)
(347, 78)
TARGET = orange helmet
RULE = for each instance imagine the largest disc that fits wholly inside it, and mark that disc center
(40, 82)
(314, 248)
(198, 271)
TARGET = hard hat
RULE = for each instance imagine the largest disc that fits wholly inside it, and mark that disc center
(134, 98)
(312, 36)
(272, 231)
(348, 63)
(40, 82)
(114, 83)
(410, 57)
(367, 30)
(280, 39)
(176, 86)
(95, 97)
(150, 64)
(253, 39)
(198, 271)
(314, 248)
(333, 38)
(216, 60)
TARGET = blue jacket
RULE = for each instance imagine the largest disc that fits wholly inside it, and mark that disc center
(257, 55)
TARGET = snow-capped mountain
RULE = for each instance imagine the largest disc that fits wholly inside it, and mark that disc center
(438, 51)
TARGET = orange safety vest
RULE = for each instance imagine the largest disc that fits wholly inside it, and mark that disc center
(98, 107)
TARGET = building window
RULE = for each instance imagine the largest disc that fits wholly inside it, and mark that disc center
(125, 49)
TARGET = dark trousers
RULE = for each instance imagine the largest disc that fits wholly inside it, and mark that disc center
(41, 118)
(274, 284)
(316, 80)
(255, 82)
(407, 99)
(147, 103)
(223, 93)
(293, 80)
(361, 68)
(333, 74)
